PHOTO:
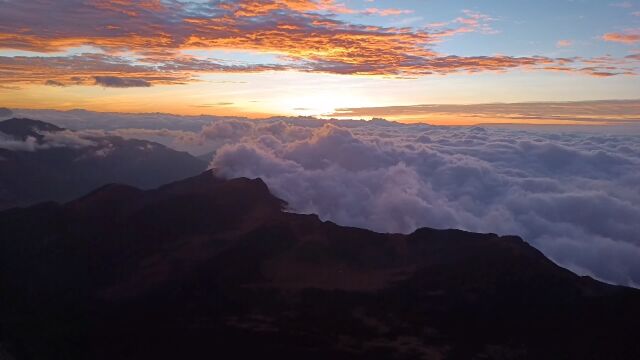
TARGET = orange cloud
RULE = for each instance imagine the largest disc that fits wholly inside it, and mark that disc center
(631, 36)
(145, 40)
(584, 112)
(385, 12)
(564, 43)
(110, 71)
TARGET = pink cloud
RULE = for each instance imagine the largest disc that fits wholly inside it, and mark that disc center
(564, 43)
(630, 36)
(304, 34)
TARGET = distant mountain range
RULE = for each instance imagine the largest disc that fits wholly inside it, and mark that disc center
(212, 268)
(40, 162)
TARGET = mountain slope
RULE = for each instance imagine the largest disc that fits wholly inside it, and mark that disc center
(207, 267)
(23, 128)
(40, 162)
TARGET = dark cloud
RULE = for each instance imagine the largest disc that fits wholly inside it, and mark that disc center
(118, 82)
(54, 83)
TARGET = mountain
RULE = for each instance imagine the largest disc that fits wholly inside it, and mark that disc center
(40, 162)
(213, 268)
(5, 113)
(23, 128)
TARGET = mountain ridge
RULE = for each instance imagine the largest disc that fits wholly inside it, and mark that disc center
(40, 161)
(213, 267)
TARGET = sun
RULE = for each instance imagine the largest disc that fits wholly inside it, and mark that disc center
(322, 103)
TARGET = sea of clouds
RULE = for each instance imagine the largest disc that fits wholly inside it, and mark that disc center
(575, 195)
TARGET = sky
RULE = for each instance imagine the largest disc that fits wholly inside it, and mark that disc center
(409, 60)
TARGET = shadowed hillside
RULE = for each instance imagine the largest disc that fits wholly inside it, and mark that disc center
(207, 267)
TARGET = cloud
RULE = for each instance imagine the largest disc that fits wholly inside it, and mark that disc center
(79, 70)
(176, 131)
(9, 143)
(151, 37)
(79, 119)
(58, 139)
(564, 43)
(385, 12)
(585, 112)
(54, 83)
(118, 82)
(630, 36)
(623, 5)
(574, 196)
(221, 103)
(110, 70)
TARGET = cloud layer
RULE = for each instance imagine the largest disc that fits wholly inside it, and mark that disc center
(142, 43)
(568, 112)
(574, 196)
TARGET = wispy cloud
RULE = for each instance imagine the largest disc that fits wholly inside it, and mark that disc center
(118, 82)
(622, 4)
(585, 112)
(630, 36)
(564, 43)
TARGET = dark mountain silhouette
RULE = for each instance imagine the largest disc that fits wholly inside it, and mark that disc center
(61, 172)
(23, 128)
(212, 268)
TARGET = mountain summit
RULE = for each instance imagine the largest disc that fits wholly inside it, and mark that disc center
(207, 267)
(24, 128)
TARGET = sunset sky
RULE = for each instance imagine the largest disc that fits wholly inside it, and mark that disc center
(356, 59)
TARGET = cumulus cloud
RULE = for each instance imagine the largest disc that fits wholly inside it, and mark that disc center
(575, 196)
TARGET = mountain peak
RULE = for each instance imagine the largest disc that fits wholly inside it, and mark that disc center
(209, 259)
(21, 128)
